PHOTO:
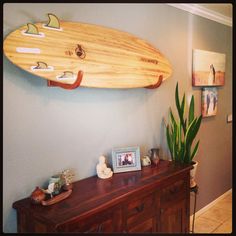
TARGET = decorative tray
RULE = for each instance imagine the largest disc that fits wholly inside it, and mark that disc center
(57, 198)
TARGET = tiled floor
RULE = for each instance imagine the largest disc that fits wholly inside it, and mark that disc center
(217, 219)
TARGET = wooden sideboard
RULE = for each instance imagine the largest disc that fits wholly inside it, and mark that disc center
(154, 199)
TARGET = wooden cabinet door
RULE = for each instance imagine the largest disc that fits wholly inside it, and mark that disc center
(139, 213)
(173, 218)
(147, 226)
(107, 221)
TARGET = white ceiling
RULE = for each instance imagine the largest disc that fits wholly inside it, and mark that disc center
(219, 12)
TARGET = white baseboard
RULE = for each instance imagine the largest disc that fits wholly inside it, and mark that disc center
(202, 210)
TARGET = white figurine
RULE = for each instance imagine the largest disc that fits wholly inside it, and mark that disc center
(50, 189)
(103, 171)
(145, 161)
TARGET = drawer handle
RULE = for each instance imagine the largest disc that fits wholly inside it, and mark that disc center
(99, 228)
(140, 208)
(173, 190)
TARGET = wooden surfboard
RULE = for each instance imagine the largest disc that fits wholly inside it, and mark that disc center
(78, 54)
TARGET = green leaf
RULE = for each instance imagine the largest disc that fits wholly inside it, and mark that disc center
(182, 112)
(179, 109)
(192, 131)
(182, 151)
(183, 105)
(185, 123)
(194, 151)
(172, 118)
(191, 111)
(169, 142)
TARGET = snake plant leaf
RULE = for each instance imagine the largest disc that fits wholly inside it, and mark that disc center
(179, 108)
(182, 151)
(183, 105)
(188, 141)
(174, 144)
(192, 130)
(194, 151)
(187, 153)
(172, 117)
(180, 138)
(191, 111)
(169, 142)
(189, 132)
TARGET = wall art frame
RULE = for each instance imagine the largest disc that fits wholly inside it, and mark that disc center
(209, 101)
(126, 159)
(208, 68)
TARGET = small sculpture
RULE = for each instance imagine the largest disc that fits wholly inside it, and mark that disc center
(50, 189)
(103, 171)
(145, 161)
(37, 196)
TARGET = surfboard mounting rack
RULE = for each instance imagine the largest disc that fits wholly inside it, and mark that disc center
(76, 84)
(157, 84)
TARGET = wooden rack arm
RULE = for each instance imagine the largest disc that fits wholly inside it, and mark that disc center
(68, 86)
(160, 78)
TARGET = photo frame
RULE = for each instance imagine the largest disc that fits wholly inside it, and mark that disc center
(209, 101)
(208, 68)
(126, 159)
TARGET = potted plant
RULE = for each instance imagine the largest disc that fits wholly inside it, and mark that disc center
(181, 132)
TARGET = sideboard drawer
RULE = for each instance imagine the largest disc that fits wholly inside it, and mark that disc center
(140, 208)
(173, 191)
(103, 222)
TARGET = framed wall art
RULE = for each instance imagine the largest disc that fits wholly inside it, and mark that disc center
(208, 68)
(126, 159)
(209, 102)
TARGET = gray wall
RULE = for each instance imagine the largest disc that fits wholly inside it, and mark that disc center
(49, 129)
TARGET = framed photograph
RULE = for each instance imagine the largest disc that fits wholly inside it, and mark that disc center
(208, 68)
(126, 159)
(209, 102)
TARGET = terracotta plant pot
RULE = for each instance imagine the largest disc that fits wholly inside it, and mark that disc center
(193, 173)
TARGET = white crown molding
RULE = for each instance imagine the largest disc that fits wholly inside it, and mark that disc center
(204, 12)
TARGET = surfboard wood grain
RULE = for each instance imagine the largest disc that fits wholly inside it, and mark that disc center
(109, 58)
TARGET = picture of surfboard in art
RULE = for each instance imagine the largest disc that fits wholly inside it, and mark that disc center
(208, 68)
